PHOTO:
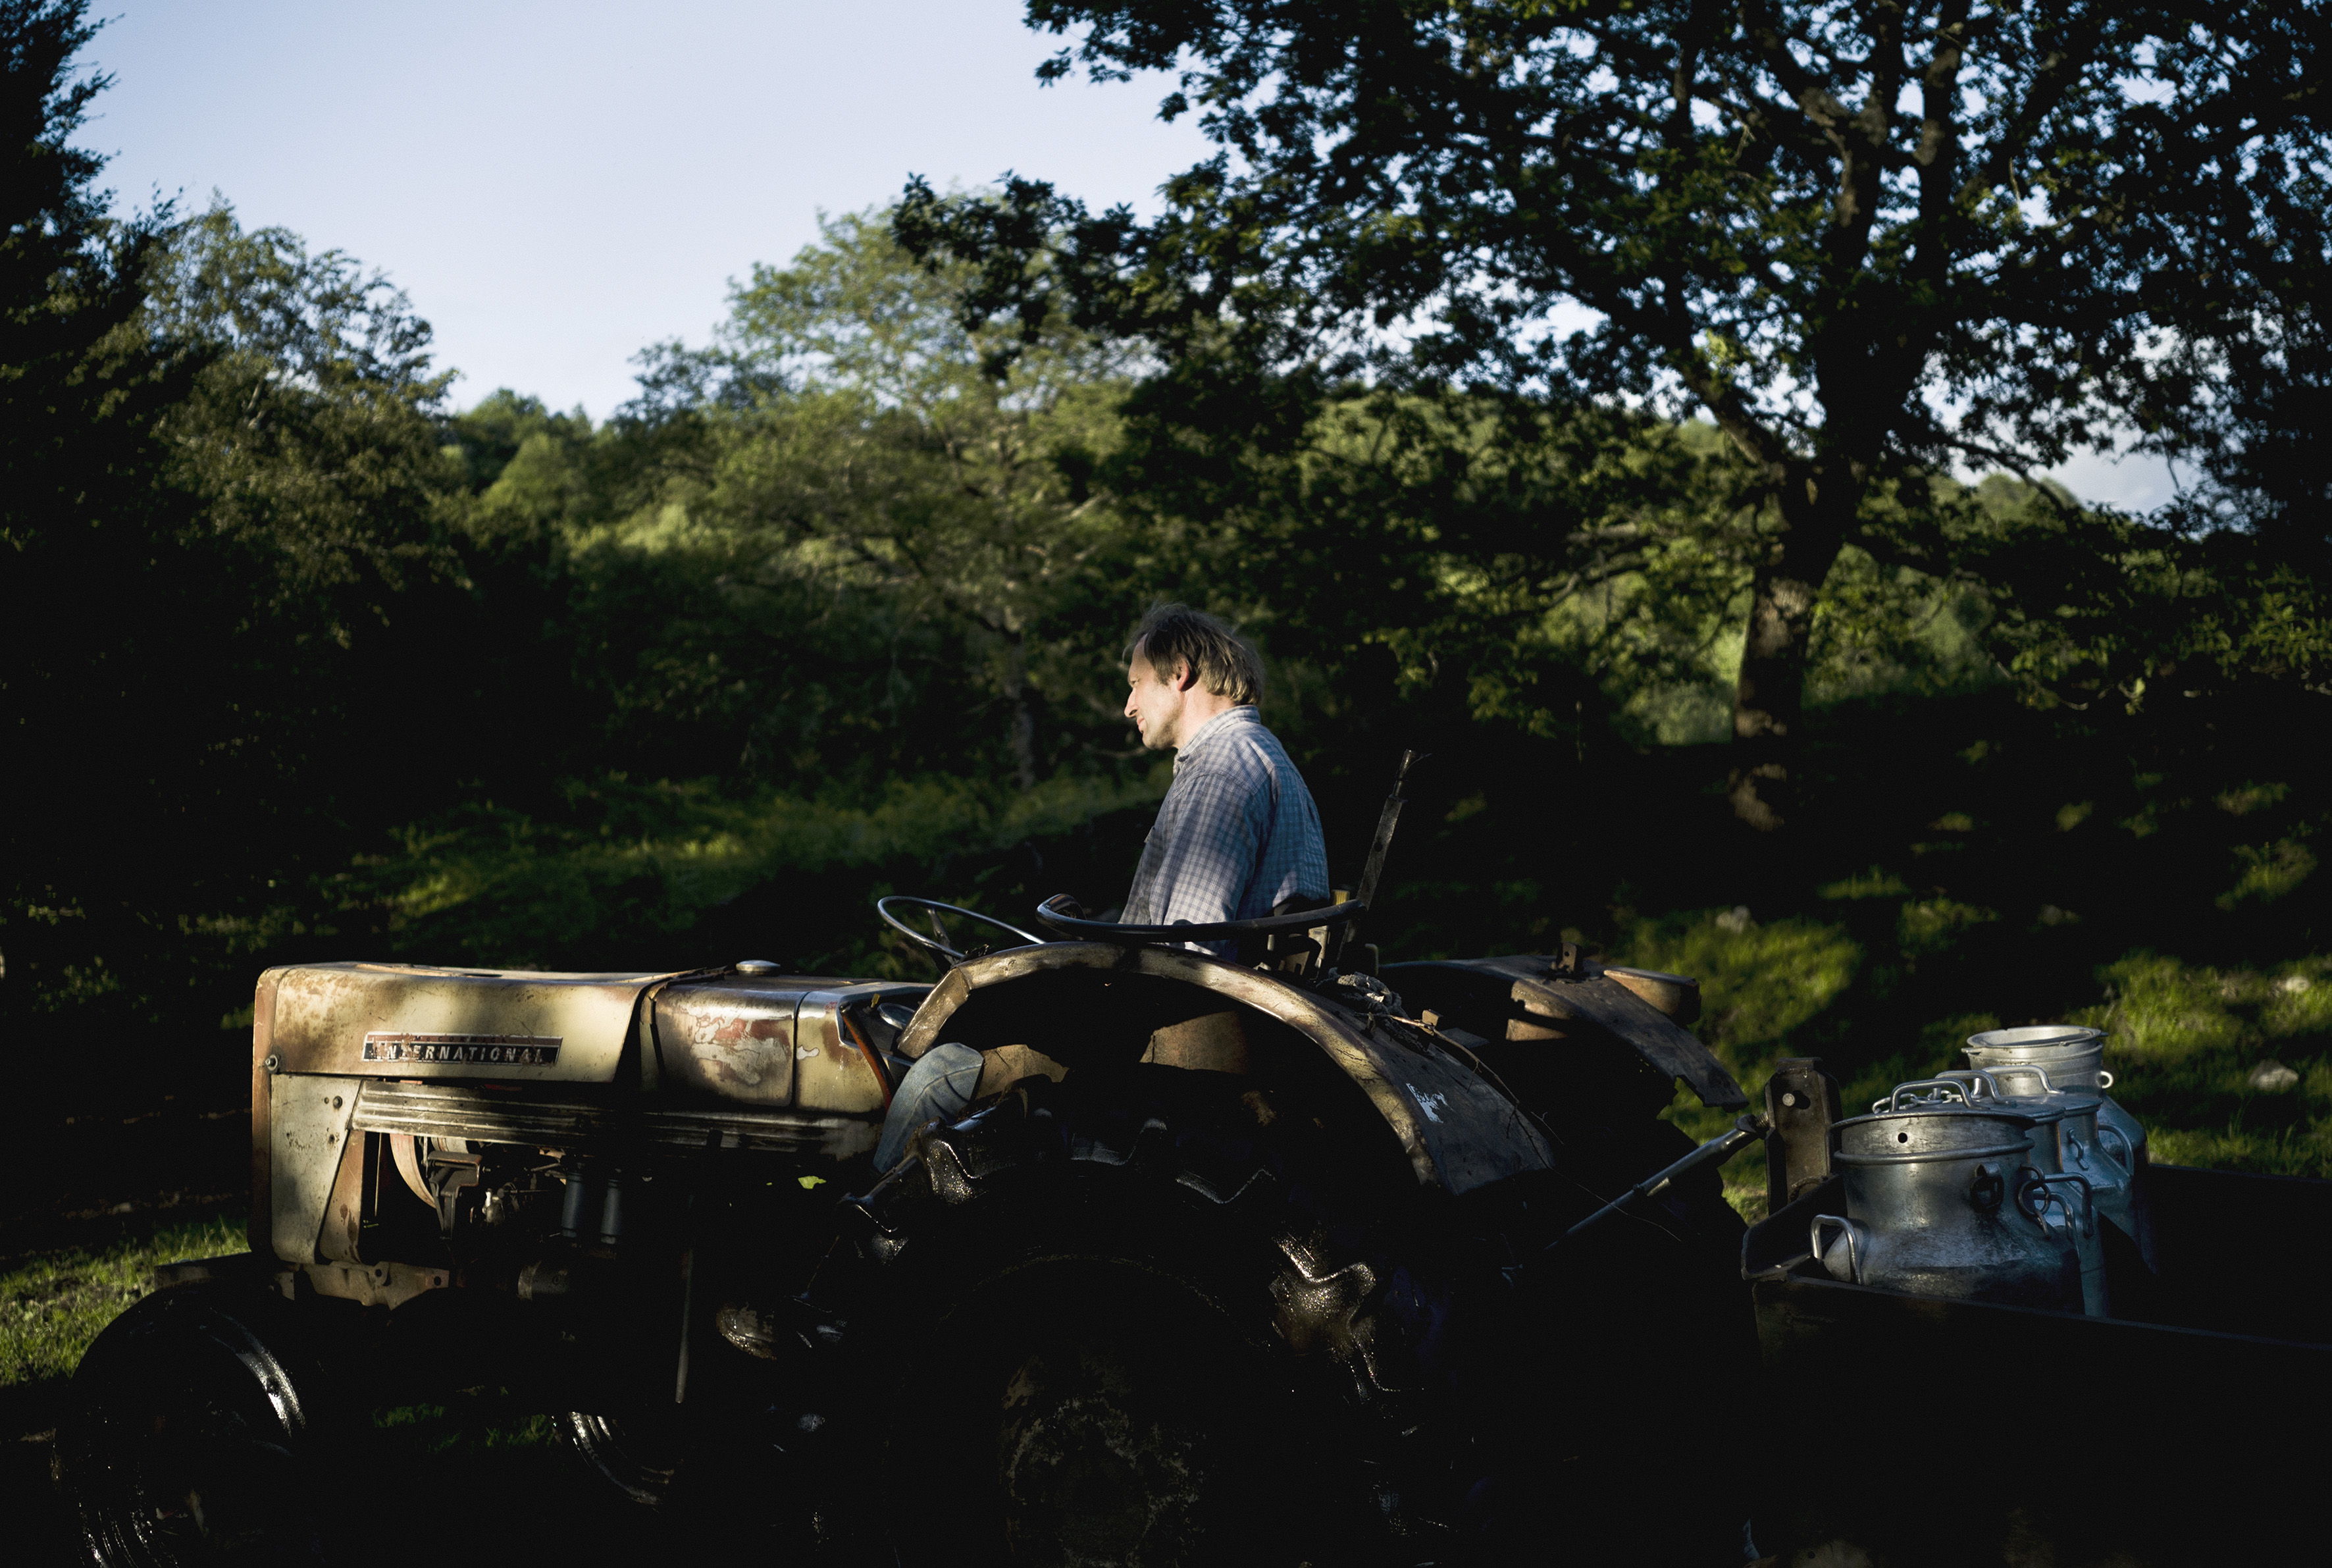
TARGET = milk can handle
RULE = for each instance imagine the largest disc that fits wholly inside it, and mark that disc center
(1847, 1229)
(2088, 1216)
(1972, 1077)
(1894, 1102)
(2105, 1079)
(2128, 1157)
(2031, 1192)
(2089, 1197)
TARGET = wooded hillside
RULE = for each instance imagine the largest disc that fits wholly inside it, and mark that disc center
(1747, 639)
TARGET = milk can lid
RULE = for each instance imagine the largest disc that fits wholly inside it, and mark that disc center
(2028, 1037)
(1934, 1128)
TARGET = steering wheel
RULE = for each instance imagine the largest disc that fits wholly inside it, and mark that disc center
(941, 941)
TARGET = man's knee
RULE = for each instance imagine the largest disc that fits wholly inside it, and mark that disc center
(938, 1088)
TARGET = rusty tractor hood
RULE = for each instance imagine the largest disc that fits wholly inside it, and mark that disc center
(408, 1021)
(763, 1040)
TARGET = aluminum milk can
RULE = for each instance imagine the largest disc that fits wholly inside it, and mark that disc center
(2082, 1180)
(2073, 1056)
(1942, 1200)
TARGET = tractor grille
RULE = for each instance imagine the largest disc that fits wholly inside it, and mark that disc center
(442, 1111)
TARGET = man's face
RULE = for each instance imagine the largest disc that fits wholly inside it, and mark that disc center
(1155, 704)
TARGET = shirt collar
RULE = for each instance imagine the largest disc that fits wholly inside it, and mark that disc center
(1244, 712)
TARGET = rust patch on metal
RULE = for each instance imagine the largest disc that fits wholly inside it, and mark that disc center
(830, 1071)
(1215, 1043)
(744, 1050)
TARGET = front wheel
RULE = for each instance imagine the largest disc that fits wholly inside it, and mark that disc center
(197, 1421)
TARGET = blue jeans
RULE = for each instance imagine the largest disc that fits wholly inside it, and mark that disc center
(937, 1088)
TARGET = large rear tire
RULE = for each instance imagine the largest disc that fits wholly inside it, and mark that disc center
(1146, 1321)
(1125, 1325)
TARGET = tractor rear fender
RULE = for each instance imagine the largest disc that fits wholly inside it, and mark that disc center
(1529, 996)
(1049, 1009)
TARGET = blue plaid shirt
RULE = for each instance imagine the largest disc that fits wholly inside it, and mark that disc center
(1236, 834)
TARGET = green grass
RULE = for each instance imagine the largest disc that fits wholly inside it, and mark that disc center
(52, 1307)
(2185, 1042)
(470, 1426)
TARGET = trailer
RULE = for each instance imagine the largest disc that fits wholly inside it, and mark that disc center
(2186, 1427)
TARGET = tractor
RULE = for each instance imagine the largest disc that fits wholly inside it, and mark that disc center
(1277, 1257)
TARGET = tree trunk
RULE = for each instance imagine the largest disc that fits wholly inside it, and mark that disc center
(1768, 699)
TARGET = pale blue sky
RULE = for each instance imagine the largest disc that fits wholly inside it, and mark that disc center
(557, 184)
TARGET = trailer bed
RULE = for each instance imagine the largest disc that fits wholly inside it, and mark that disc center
(2190, 1425)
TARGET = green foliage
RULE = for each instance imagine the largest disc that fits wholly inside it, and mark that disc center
(208, 634)
(2098, 612)
(1752, 202)
(311, 436)
(898, 466)
(79, 391)
(1866, 241)
(826, 547)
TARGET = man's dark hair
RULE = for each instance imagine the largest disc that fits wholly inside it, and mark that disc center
(1174, 634)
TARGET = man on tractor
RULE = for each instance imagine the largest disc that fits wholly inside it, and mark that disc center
(1238, 835)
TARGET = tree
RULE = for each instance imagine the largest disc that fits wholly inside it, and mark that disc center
(858, 438)
(1871, 242)
(225, 531)
(85, 585)
(313, 433)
